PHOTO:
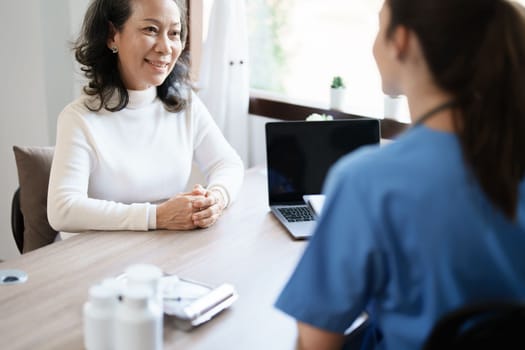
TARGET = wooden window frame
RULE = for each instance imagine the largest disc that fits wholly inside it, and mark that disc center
(269, 108)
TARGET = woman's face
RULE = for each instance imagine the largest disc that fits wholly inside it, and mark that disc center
(149, 43)
(384, 54)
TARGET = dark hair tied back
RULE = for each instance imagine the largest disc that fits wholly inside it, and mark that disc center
(100, 65)
(475, 50)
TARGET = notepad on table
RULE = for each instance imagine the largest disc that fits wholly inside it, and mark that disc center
(315, 202)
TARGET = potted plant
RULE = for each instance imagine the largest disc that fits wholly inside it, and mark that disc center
(337, 93)
(392, 105)
(319, 117)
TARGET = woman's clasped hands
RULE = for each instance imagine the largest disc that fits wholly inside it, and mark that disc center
(190, 210)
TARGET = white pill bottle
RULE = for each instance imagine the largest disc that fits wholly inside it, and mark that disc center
(146, 275)
(138, 321)
(98, 313)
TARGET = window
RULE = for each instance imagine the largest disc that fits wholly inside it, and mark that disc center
(296, 47)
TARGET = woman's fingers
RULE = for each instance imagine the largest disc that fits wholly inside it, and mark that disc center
(208, 216)
(202, 203)
(176, 214)
(205, 208)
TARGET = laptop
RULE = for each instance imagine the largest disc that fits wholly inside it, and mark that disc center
(298, 157)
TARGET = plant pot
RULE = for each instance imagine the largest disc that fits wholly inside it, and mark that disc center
(392, 106)
(337, 98)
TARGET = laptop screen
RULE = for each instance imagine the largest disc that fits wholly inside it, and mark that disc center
(300, 153)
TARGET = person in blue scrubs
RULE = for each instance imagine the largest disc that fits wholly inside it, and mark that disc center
(436, 219)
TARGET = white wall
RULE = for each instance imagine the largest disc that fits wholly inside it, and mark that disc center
(37, 82)
(257, 140)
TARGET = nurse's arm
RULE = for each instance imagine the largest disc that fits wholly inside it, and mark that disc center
(310, 337)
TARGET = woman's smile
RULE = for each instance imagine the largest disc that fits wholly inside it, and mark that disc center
(160, 66)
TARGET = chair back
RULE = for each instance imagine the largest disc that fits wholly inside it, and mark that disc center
(29, 208)
(17, 221)
(499, 325)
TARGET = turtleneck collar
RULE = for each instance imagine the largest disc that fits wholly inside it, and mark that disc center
(141, 98)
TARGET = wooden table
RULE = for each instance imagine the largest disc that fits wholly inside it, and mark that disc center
(247, 247)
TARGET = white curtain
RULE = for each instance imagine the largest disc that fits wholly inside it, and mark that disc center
(224, 81)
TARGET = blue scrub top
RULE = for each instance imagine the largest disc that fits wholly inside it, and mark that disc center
(407, 234)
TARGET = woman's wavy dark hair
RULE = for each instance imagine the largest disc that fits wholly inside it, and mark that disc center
(99, 64)
(475, 50)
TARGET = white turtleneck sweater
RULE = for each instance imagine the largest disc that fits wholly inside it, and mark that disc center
(109, 167)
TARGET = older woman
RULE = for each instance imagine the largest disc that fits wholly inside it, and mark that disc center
(125, 148)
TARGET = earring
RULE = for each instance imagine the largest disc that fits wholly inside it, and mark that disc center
(114, 49)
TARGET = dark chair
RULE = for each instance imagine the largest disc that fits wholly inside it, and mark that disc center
(29, 221)
(17, 221)
(499, 325)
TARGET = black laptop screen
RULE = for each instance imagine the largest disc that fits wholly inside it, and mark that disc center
(299, 153)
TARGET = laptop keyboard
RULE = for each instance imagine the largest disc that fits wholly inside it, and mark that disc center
(296, 214)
